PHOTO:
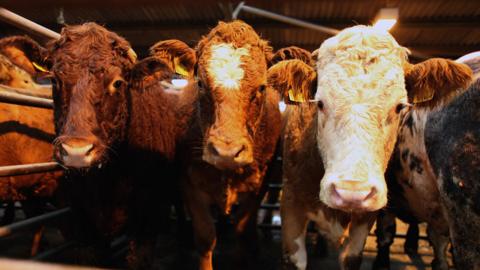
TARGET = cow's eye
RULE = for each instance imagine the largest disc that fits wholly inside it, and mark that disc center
(262, 89)
(320, 105)
(402, 106)
(118, 83)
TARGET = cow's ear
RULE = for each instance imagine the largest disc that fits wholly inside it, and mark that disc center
(178, 55)
(294, 79)
(290, 53)
(149, 71)
(25, 53)
(436, 81)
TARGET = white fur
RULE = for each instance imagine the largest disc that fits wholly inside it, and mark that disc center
(360, 81)
(300, 256)
(225, 65)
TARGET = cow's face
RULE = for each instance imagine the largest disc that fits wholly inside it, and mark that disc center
(231, 71)
(89, 66)
(360, 96)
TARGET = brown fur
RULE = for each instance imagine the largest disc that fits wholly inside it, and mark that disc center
(299, 77)
(133, 128)
(292, 52)
(227, 116)
(23, 127)
(443, 78)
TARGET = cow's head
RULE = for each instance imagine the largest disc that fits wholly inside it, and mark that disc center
(232, 75)
(90, 68)
(18, 57)
(359, 88)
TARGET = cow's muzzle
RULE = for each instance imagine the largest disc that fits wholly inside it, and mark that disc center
(231, 155)
(77, 153)
(352, 195)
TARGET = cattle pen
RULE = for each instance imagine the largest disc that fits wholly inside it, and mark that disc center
(54, 251)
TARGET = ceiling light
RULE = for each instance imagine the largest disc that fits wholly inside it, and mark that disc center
(386, 18)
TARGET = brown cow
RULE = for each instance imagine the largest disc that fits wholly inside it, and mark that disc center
(336, 148)
(239, 121)
(26, 133)
(116, 131)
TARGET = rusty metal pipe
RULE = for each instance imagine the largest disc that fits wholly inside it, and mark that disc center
(19, 99)
(28, 223)
(27, 25)
(13, 170)
(44, 92)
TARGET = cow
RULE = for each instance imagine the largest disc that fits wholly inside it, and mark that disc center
(23, 127)
(340, 131)
(116, 126)
(236, 129)
(413, 183)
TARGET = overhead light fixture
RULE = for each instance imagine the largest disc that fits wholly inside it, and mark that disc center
(386, 18)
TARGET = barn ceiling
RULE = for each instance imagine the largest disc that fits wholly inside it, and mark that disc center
(433, 27)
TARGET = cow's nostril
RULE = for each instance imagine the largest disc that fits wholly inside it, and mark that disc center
(212, 149)
(240, 150)
(372, 193)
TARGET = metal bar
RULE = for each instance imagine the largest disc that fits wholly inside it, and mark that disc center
(27, 223)
(13, 170)
(285, 19)
(19, 99)
(273, 206)
(25, 24)
(53, 251)
(44, 92)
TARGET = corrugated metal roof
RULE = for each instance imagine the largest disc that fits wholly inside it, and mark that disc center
(436, 27)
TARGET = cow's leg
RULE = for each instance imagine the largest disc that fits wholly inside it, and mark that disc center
(294, 222)
(385, 232)
(246, 229)
(439, 240)
(198, 205)
(33, 208)
(411, 241)
(351, 254)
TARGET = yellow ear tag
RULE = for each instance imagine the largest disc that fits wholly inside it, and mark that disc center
(179, 68)
(424, 96)
(39, 68)
(295, 97)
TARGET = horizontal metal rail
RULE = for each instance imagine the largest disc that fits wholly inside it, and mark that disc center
(13, 170)
(19, 99)
(44, 92)
(27, 25)
(28, 223)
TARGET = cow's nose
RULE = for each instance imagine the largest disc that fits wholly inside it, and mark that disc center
(228, 155)
(352, 194)
(77, 155)
(230, 151)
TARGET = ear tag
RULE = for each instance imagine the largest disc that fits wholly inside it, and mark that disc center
(39, 68)
(295, 97)
(179, 68)
(424, 96)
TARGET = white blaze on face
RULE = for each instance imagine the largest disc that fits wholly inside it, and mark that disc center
(225, 65)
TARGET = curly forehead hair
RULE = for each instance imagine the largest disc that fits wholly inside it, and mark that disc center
(238, 33)
(89, 40)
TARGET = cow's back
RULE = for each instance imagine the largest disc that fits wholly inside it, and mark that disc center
(452, 138)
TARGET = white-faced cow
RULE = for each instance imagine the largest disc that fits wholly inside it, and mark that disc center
(435, 152)
(336, 148)
(237, 126)
(117, 131)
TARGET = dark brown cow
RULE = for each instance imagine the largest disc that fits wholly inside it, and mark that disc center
(116, 131)
(414, 189)
(336, 148)
(239, 121)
